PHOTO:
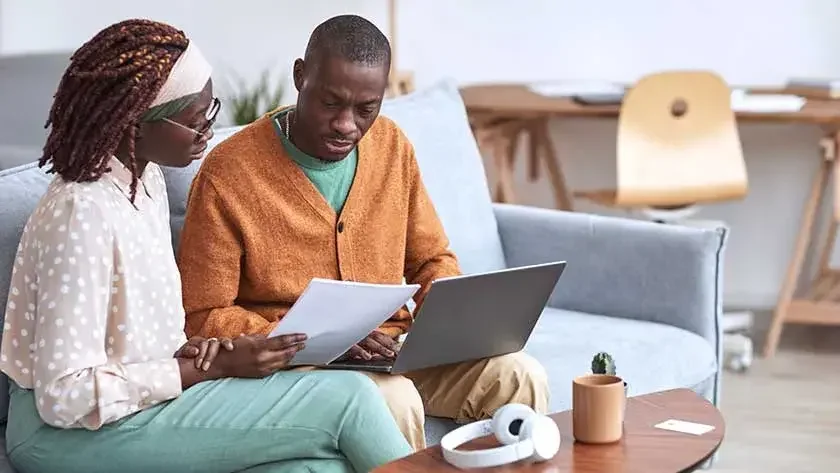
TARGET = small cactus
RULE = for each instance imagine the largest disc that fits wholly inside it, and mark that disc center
(602, 363)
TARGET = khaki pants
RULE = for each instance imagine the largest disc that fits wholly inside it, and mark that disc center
(465, 392)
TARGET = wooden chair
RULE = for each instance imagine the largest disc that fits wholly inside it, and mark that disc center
(678, 147)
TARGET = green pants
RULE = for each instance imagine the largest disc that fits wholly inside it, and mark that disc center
(317, 421)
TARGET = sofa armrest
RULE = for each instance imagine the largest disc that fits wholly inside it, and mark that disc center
(624, 268)
(13, 156)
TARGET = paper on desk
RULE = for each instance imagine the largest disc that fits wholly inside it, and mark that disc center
(335, 315)
(765, 103)
(572, 88)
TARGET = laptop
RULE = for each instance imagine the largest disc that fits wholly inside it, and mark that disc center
(470, 317)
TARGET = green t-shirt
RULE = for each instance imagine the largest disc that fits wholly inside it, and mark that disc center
(332, 178)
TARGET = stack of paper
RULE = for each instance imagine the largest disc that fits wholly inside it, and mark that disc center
(335, 315)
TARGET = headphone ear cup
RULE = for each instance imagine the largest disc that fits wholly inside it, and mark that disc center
(508, 420)
(543, 433)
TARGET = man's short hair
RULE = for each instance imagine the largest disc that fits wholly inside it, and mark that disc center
(352, 38)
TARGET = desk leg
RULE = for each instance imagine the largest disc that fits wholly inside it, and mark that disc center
(504, 155)
(540, 133)
(501, 140)
(817, 306)
(491, 138)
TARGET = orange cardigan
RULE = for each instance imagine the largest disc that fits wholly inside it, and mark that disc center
(257, 231)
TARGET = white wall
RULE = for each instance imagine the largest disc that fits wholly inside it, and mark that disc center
(747, 41)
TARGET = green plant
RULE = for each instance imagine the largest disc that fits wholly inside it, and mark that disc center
(248, 103)
(602, 363)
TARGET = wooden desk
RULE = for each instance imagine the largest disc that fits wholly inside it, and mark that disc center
(501, 114)
(512, 100)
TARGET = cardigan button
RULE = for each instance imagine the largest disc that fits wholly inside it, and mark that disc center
(340, 227)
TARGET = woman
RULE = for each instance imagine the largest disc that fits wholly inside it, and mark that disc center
(103, 378)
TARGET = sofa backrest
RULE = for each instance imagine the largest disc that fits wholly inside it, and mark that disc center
(20, 190)
(434, 120)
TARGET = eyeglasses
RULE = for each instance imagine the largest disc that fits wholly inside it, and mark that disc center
(210, 116)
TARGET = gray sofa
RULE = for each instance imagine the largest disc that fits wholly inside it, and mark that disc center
(649, 294)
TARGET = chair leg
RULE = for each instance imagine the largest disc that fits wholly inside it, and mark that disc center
(737, 344)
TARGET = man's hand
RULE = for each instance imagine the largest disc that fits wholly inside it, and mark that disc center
(255, 356)
(203, 350)
(376, 346)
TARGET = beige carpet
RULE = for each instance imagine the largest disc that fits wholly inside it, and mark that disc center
(783, 416)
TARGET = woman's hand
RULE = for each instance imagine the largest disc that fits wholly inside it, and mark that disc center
(203, 350)
(255, 356)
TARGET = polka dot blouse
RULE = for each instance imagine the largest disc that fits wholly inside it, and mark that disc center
(95, 315)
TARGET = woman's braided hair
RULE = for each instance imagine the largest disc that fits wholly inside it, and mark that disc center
(110, 83)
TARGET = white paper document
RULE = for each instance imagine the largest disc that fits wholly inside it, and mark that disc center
(685, 427)
(335, 315)
(571, 88)
(765, 103)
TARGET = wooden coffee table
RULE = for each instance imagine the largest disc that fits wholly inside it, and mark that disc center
(644, 448)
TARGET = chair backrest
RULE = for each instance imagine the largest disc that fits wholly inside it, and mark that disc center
(678, 142)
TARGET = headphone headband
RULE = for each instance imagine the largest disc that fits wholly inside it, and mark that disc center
(481, 458)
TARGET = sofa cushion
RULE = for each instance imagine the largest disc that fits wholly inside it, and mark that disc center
(649, 356)
(20, 190)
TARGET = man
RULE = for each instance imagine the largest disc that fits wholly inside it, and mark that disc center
(330, 189)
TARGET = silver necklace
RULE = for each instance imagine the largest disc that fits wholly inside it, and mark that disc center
(288, 125)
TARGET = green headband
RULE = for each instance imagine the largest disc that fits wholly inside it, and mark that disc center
(169, 109)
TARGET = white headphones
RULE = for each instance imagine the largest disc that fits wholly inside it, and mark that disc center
(524, 435)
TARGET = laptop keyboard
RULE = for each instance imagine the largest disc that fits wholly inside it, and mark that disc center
(363, 363)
